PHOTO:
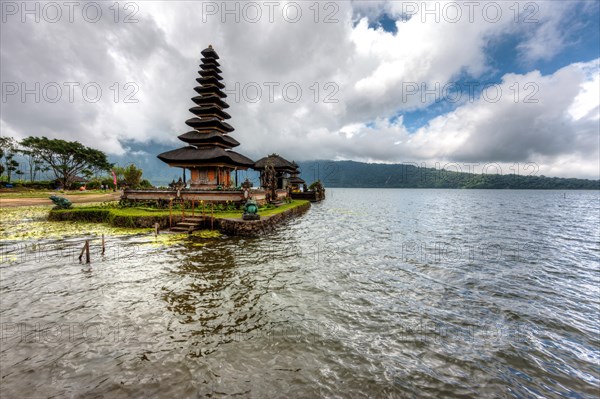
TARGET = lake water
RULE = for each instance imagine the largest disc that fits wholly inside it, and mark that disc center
(372, 293)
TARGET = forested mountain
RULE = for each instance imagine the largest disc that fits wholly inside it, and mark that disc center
(372, 175)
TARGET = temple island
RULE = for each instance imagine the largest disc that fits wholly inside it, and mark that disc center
(209, 165)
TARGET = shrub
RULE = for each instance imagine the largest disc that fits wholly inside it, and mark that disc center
(314, 184)
(93, 185)
(38, 185)
(146, 184)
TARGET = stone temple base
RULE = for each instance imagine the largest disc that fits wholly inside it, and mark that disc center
(217, 196)
(250, 216)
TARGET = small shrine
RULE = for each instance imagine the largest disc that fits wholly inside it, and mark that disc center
(275, 172)
(296, 182)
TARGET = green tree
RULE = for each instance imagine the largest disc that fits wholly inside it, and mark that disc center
(34, 161)
(66, 159)
(131, 175)
(8, 149)
(11, 166)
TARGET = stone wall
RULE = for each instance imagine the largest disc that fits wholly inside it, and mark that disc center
(236, 227)
(217, 196)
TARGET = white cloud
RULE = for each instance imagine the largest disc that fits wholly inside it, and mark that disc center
(585, 105)
(363, 70)
(534, 126)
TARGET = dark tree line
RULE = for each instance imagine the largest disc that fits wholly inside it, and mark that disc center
(364, 175)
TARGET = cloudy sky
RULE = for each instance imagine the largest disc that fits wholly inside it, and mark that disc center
(514, 83)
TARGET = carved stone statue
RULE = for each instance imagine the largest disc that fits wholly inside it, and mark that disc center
(270, 182)
(60, 202)
(251, 211)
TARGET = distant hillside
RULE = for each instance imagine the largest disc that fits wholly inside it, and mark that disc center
(366, 175)
(358, 174)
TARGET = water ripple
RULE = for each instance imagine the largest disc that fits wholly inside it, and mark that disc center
(372, 293)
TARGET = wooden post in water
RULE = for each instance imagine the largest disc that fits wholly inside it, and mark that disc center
(103, 247)
(192, 208)
(212, 218)
(81, 253)
(170, 213)
(87, 251)
(156, 225)
(182, 210)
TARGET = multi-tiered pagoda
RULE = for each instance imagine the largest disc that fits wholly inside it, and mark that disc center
(208, 155)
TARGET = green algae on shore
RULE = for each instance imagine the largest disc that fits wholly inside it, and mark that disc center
(31, 223)
(95, 219)
(146, 216)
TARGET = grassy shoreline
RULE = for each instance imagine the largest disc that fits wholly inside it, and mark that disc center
(144, 217)
(25, 223)
(29, 193)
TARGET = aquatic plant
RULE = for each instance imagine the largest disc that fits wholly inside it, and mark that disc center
(32, 223)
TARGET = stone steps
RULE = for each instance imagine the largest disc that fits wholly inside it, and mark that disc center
(182, 229)
(195, 219)
(189, 224)
(185, 227)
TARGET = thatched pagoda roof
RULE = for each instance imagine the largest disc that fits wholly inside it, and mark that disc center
(210, 67)
(211, 61)
(210, 73)
(210, 90)
(209, 52)
(296, 180)
(210, 100)
(209, 124)
(278, 162)
(210, 81)
(197, 138)
(204, 155)
(210, 111)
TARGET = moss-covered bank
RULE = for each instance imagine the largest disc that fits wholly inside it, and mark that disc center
(125, 217)
(229, 222)
(238, 227)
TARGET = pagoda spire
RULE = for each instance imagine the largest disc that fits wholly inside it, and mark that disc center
(209, 114)
(209, 143)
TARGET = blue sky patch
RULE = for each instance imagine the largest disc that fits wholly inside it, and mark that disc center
(385, 22)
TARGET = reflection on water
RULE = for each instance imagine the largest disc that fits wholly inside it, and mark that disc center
(373, 293)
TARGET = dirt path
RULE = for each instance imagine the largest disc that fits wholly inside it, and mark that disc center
(76, 199)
